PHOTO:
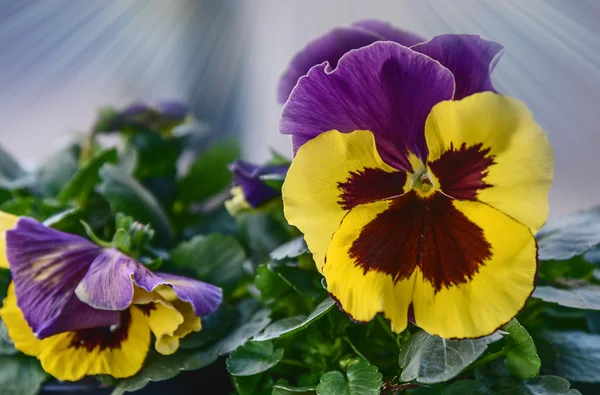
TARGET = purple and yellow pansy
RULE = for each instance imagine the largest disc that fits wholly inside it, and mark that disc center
(417, 187)
(82, 309)
(251, 190)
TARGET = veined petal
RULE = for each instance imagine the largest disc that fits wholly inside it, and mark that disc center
(113, 277)
(390, 32)
(203, 297)
(329, 47)
(7, 222)
(491, 296)
(331, 174)
(385, 88)
(469, 57)
(108, 284)
(46, 267)
(487, 147)
(69, 356)
(363, 291)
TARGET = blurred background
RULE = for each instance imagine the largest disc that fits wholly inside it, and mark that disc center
(60, 60)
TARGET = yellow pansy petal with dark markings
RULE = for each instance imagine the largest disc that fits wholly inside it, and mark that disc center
(494, 293)
(487, 147)
(318, 190)
(20, 333)
(7, 222)
(364, 292)
(69, 356)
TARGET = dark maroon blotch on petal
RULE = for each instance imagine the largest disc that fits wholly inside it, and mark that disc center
(428, 233)
(461, 171)
(369, 185)
(103, 338)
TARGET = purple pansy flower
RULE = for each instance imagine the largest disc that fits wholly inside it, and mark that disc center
(251, 188)
(84, 310)
(416, 186)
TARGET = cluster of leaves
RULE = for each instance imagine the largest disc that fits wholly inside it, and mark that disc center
(278, 332)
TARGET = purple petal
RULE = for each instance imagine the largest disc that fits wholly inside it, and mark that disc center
(385, 88)
(46, 267)
(390, 32)
(77, 315)
(469, 57)
(247, 176)
(329, 47)
(108, 284)
(204, 297)
(135, 109)
(172, 109)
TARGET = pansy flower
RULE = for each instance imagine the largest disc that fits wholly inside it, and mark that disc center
(452, 51)
(85, 310)
(417, 193)
(251, 188)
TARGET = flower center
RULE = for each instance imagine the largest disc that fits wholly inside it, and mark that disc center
(424, 184)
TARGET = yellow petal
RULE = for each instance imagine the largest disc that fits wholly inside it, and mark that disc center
(518, 181)
(68, 357)
(18, 330)
(65, 360)
(493, 295)
(7, 222)
(364, 294)
(169, 320)
(311, 191)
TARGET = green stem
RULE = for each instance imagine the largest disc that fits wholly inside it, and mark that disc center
(386, 328)
(358, 353)
(489, 358)
(293, 363)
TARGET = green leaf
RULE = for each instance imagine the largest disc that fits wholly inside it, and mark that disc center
(38, 208)
(159, 367)
(57, 170)
(6, 345)
(569, 236)
(257, 322)
(210, 174)
(253, 358)
(576, 267)
(64, 220)
(521, 359)
(292, 325)
(86, 178)
(431, 359)
(9, 167)
(361, 379)
(270, 285)
(291, 249)
(20, 375)
(246, 385)
(467, 387)
(301, 280)
(542, 385)
(214, 326)
(577, 355)
(126, 195)
(282, 389)
(587, 297)
(214, 258)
